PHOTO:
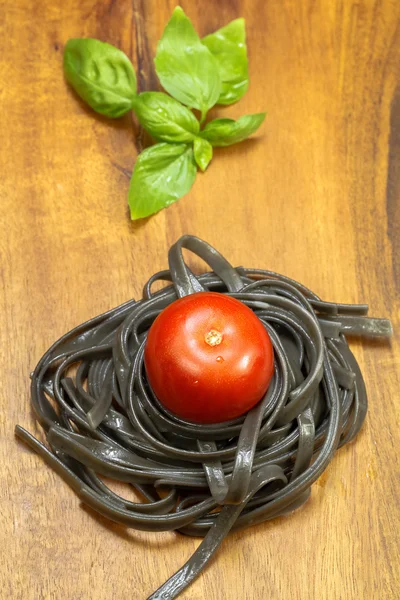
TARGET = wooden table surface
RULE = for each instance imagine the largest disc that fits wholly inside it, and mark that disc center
(316, 196)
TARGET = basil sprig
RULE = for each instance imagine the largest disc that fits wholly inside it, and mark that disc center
(197, 73)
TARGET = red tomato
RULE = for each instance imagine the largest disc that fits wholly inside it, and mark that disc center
(208, 358)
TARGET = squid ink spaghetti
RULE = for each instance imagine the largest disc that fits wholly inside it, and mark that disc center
(100, 417)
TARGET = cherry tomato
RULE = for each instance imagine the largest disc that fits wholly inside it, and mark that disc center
(208, 358)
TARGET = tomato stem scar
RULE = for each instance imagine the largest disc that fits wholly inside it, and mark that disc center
(213, 337)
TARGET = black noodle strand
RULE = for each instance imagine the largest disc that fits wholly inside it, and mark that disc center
(100, 416)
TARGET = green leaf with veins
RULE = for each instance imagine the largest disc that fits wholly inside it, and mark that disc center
(165, 118)
(202, 153)
(225, 132)
(163, 173)
(102, 75)
(228, 45)
(185, 66)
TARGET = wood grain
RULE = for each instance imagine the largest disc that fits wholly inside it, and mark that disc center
(315, 196)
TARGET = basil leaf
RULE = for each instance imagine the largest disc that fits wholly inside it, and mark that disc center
(224, 132)
(228, 45)
(163, 173)
(202, 153)
(185, 67)
(165, 118)
(101, 74)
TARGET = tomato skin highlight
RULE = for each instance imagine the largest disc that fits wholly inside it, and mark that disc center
(208, 358)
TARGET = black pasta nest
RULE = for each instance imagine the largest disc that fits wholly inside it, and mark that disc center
(100, 417)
